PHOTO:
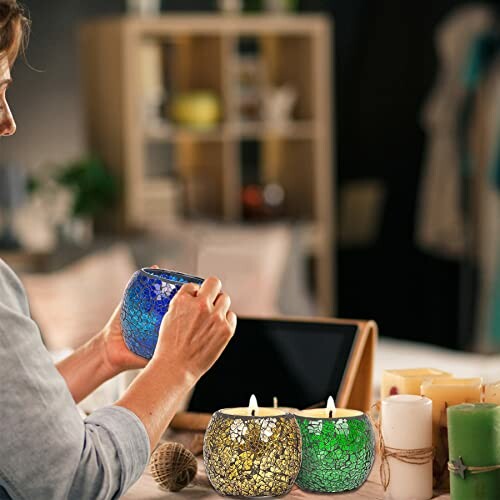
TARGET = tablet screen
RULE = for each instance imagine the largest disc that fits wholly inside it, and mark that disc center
(301, 363)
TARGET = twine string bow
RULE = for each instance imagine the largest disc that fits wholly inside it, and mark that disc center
(459, 468)
(417, 456)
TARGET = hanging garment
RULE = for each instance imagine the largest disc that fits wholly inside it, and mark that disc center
(479, 160)
(483, 159)
(440, 222)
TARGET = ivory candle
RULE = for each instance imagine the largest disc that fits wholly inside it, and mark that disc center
(407, 425)
(492, 393)
(407, 381)
(447, 392)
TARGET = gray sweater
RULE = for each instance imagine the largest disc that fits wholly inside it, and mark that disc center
(47, 451)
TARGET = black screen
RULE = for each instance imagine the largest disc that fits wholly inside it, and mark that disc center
(301, 363)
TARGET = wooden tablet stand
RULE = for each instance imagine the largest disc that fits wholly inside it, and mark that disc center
(355, 391)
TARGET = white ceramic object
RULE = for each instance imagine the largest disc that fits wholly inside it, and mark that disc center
(144, 7)
(230, 6)
(279, 103)
(277, 6)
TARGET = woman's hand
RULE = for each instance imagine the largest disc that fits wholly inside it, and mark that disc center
(193, 334)
(101, 358)
(116, 354)
(197, 328)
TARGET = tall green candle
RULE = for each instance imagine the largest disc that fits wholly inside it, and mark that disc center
(474, 440)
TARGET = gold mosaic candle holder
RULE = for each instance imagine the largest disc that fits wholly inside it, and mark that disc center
(252, 456)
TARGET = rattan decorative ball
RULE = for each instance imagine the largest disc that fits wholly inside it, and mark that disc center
(173, 467)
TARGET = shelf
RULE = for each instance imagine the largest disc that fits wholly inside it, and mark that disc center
(309, 231)
(157, 186)
(134, 67)
(300, 130)
(169, 133)
(251, 130)
(168, 25)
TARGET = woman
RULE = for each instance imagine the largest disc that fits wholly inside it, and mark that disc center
(47, 450)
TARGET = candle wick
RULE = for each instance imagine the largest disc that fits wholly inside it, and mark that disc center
(330, 415)
(253, 413)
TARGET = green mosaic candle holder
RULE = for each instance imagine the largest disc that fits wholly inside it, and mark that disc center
(252, 456)
(337, 453)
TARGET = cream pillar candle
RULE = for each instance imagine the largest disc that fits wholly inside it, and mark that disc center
(492, 393)
(407, 425)
(444, 393)
(407, 381)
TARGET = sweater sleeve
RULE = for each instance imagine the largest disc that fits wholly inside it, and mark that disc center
(115, 454)
(48, 451)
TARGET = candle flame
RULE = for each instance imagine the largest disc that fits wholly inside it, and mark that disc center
(330, 407)
(252, 405)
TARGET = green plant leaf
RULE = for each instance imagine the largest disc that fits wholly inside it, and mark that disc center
(94, 187)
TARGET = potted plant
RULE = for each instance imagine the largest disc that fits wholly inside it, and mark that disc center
(72, 196)
(94, 190)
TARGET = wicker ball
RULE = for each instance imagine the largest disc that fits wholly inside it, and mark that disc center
(173, 467)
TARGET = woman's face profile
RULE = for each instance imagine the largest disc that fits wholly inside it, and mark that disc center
(7, 123)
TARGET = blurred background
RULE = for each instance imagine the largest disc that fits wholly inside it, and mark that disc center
(324, 158)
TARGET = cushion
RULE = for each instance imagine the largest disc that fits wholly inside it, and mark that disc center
(73, 304)
(250, 262)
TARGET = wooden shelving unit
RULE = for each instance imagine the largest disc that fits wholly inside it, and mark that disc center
(200, 50)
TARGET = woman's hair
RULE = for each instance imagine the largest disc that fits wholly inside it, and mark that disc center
(14, 29)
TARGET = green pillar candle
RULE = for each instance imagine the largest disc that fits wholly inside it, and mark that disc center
(474, 435)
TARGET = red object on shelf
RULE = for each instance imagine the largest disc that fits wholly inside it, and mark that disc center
(262, 202)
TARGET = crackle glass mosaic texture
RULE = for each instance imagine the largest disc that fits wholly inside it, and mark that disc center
(252, 456)
(146, 300)
(337, 454)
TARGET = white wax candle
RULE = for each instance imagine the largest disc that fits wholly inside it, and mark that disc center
(407, 425)
(254, 410)
(321, 413)
(259, 412)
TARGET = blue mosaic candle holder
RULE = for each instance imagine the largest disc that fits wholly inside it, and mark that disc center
(146, 300)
